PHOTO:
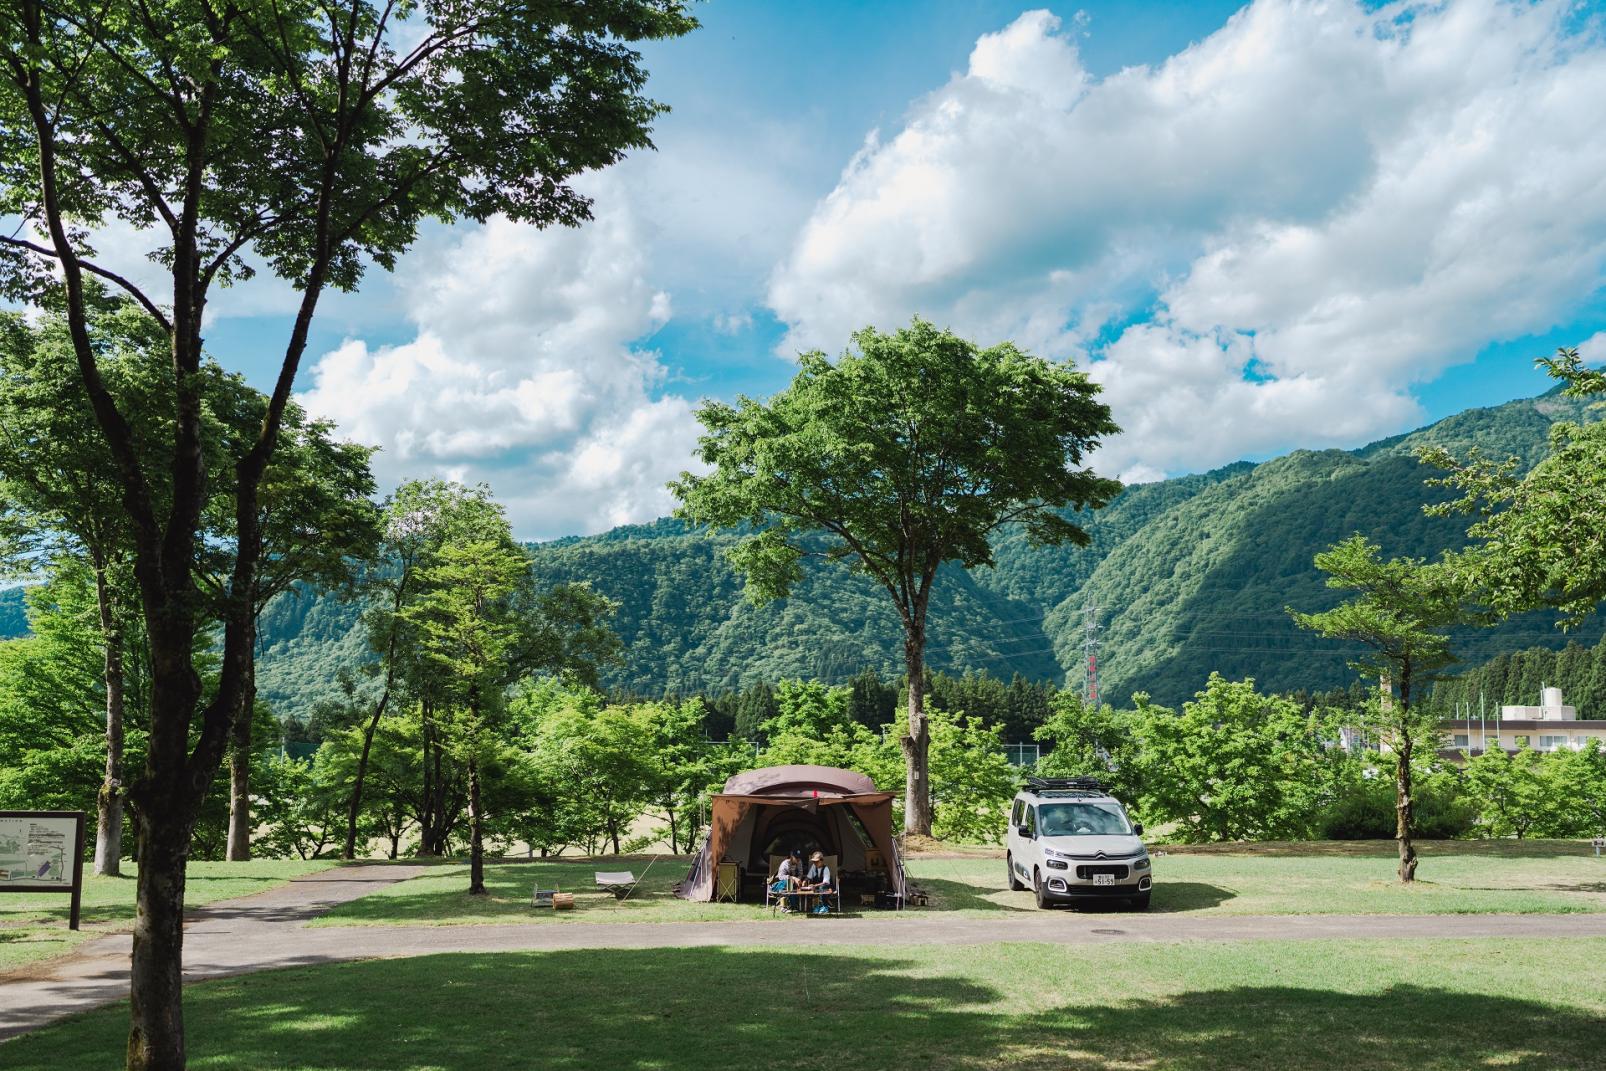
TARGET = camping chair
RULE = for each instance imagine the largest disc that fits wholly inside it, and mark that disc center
(619, 882)
(835, 895)
(773, 899)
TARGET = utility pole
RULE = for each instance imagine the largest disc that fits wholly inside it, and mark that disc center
(1090, 645)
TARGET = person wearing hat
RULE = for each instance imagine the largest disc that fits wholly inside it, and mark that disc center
(819, 879)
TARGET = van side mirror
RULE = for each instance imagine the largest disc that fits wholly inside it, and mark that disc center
(1137, 829)
(1024, 830)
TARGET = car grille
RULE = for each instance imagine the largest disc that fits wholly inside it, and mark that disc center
(1087, 871)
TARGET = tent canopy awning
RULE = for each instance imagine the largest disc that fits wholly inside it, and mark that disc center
(810, 800)
(798, 780)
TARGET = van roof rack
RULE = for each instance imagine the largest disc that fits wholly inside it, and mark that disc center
(1065, 784)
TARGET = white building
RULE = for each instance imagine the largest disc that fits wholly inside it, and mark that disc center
(1550, 708)
(1550, 726)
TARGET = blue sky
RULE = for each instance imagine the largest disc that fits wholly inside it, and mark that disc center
(1296, 225)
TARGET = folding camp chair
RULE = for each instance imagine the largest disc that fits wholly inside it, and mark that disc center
(619, 882)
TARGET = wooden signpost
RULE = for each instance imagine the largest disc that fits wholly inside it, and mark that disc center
(43, 852)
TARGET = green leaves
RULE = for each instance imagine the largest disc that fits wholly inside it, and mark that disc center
(1402, 612)
(1540, 538)
(911, 450)
(1234, 765)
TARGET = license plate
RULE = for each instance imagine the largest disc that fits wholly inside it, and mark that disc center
(1103, 879)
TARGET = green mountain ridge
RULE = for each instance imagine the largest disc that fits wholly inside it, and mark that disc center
(1191, 574)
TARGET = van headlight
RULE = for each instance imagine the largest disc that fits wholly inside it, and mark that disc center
(1141, 863)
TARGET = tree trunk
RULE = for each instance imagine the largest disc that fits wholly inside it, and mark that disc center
(109, 800)
(1404, 819)
(917, 742)
(239, 848)
(476, 852)
(156, 1034)
(1404, 804)
(355, 804)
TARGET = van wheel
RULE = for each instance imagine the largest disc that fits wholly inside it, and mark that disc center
(1140, 902)
(1040, 890)
(1015, 884)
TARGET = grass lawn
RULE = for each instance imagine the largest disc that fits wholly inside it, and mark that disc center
(33, 927)
(1332, 878)
(1458, 877)
(1353, 1005)
(440, 897)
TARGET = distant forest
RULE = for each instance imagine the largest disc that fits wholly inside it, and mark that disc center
(1189, 575)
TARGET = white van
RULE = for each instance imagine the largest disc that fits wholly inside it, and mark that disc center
(1070, 840)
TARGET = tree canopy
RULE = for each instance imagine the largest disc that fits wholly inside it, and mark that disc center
(910, 451)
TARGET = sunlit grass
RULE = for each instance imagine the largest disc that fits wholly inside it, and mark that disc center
(1318, 1006)
(1456, 877)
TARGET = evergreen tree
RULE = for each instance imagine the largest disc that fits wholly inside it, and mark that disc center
(755, 707)
(1594, 697)
(872, 702)
(1572, 671)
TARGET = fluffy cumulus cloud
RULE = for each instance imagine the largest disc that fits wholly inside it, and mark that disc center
(1295, 219)
(523, 374)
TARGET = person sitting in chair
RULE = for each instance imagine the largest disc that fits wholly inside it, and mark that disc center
(788, 877)
(819, 879)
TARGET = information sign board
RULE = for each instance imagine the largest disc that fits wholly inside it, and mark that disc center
(43, 852)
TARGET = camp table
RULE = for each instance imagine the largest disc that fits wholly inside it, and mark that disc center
(619, 882)
(805, 895)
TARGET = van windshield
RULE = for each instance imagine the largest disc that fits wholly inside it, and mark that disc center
(1082, 820)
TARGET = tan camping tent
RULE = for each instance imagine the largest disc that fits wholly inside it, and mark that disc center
(763, 812)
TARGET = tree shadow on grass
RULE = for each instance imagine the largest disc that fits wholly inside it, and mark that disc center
(700, 1008)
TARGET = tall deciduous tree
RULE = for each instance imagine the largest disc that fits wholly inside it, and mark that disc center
(1402, 613)
(59, 497)
(468, 623)
(315, 137)
(317, 522)
(418, 520)
(911, 452)
(1540, 536)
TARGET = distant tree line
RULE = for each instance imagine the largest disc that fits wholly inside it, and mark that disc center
(1236, 764)
(1015, 707)
(1518, 676)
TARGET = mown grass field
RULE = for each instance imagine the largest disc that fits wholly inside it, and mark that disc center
(1456, 877)
(33, 927)
(1329, 1006)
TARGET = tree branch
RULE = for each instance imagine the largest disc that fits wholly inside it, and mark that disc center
(94, 269)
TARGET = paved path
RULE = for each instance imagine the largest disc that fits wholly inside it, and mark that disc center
(265, 931)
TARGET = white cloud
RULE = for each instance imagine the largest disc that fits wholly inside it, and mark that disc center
(1319, 206)
(733, 323)
(1593, 348)
(523, 374)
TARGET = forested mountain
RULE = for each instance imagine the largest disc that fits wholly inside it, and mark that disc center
(13, 613)
(1190, 575)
